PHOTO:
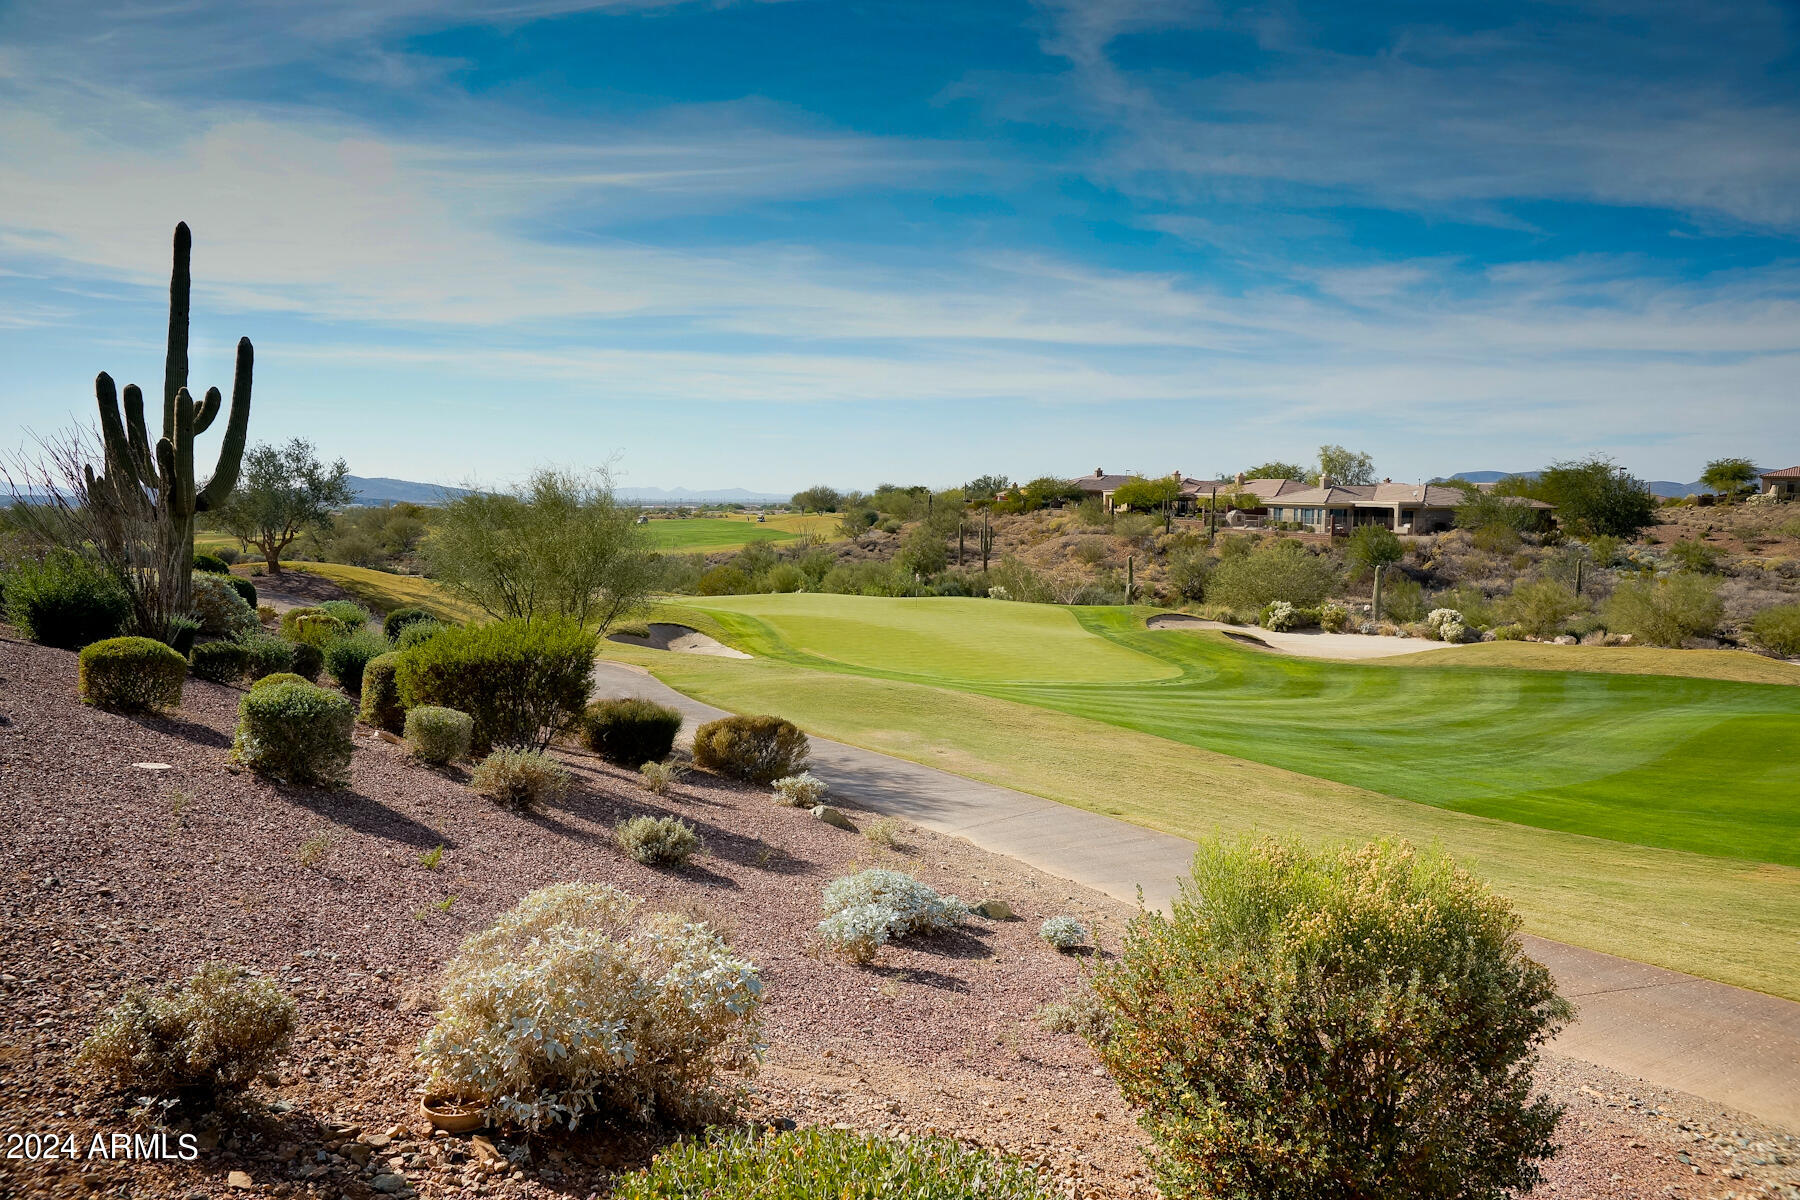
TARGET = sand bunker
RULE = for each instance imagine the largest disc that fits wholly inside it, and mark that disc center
(1310, 643)
(679, 638)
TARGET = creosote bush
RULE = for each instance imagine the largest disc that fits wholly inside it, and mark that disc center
(347, 655)
(758, 749)
(630, 732)
(658, 777)
(519, 778)
(866, 911)
(1667, 611)
(523, 682)
(800, 791)
(1777, 630)
(220, 662)
(805, 1164)
(1303, 1015)
(131, 674)
(295, 732)
(438, 735)
(200, 1040)
(381, 705)
(580, 1001)
(658, 841)
(65, 601)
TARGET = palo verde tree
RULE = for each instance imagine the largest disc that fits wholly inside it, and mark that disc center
(1157, 495)
(1276, 470)
(153, 487)
(1341, 465)
(285, 491)
(1596, 498)
(561, 546)
(819, 499)
(1729, 476)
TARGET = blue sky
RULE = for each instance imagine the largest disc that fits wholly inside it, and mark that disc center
(771, 244)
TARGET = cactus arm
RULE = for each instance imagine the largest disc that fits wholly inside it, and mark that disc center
(208, 410)
(112, 430)
(175, 365)
(237, 428)
(181, 501)
(141, 458)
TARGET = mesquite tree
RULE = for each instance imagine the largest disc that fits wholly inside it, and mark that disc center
(153, 488)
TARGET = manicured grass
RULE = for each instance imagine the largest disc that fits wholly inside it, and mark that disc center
(1136, 751)
(1612, 660)
(683, 535)
(384, 591)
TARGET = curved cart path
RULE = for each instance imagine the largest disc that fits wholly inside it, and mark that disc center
(1726, 1044)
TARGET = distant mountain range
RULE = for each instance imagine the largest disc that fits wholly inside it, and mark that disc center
(382, 490)
(1665, 488)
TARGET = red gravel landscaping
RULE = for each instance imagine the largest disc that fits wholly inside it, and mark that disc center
(123, 875)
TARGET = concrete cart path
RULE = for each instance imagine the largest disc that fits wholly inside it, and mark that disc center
(1726, 1044)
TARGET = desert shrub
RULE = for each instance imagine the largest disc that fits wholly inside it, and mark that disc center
(1065, 933)
(131, 674)
(800, 791)
(1188, 572)
(212, 564)
(658, 841)
(804, 1164)
(1371, 546)
(295, 732)
(1301, 1013)
(658, 777)
(347, 613)
(1540, 607)
(1667, 611)
(781, 578)
(519, 778)
(1691, 554)
(723, 581)
(1078, 1012)
(1468, 600)
(311, 625)
(578, 1001)
(179, 633)
(523, 682)
(1777, 630)
(267, 614)
(347, 656)
(221, 612)
(438, 735)
(221, 662)
(277, 679)
(630, 732)
(756, 749)
(864, 912)
(265, 654)
(307, 660)
(1282, 570)
(1333, 617)
(1402, 597)
(381, 705)
(1279, 616)
(1509, 633)
(205, 1039)
(636, 629)
(417, 634)
(246, 592)
(400, 618)
(65, 601)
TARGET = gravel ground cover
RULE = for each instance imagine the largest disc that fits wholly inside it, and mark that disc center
(118, 874)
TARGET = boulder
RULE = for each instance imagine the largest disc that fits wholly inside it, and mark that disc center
(1566, 640)
(995, 910)
(832, 817)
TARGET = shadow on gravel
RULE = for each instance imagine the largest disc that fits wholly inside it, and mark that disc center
(366, 815)
(187, 731)
(922, 977)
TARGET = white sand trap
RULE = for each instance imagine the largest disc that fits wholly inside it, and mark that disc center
(1307, 643)
(679, 638)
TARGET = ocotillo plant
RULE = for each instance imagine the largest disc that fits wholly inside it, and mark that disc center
(159, 482)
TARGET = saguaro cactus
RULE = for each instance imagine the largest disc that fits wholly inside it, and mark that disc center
(160, 480)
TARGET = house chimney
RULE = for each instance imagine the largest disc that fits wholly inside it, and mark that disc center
(1098, 472)
(1324, 481)
(1240, 479)
(1175, 475)
(1386, 480)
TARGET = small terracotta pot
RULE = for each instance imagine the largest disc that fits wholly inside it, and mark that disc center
(452, 1115)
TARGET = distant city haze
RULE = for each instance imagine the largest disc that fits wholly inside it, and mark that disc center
(759, 246)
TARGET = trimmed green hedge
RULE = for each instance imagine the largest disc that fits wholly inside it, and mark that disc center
(400, 618)
(522, 682)
(630, 732)
(347, 656)
(212, 564)
(131, 674)
(295, 732)
(381, 705)
(757, 749)
(308, 660)
(220, 662)
(438, 735)
(266, 654)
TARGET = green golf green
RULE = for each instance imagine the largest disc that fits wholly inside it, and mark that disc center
(1702, 765)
